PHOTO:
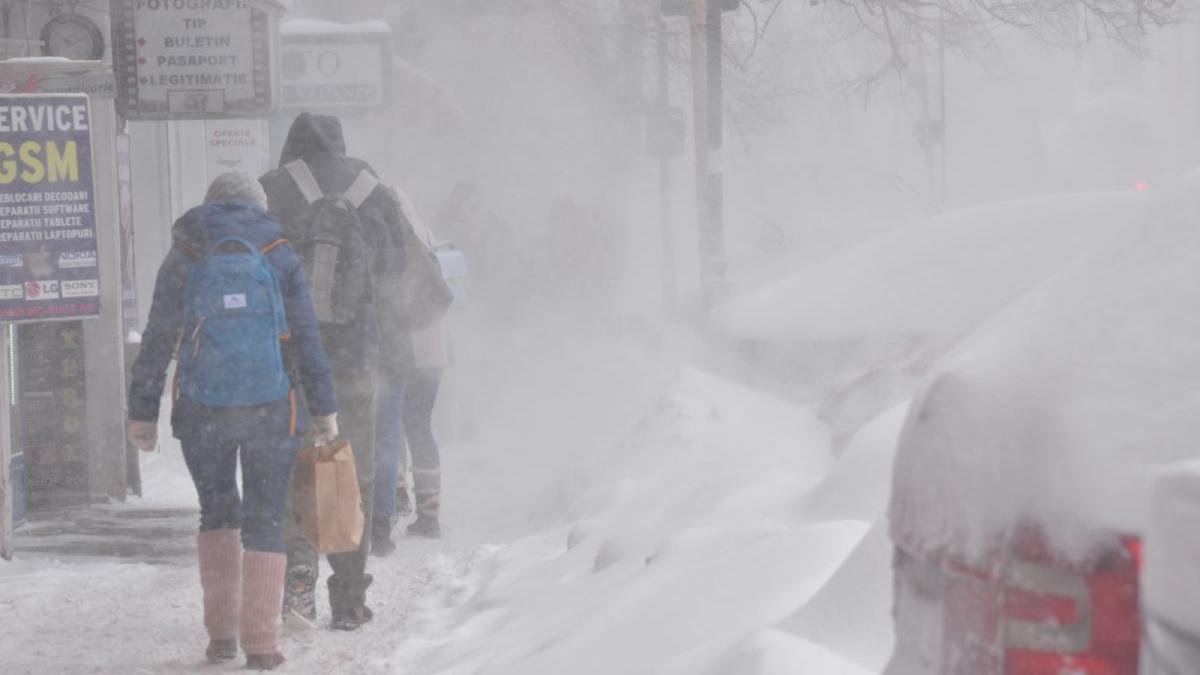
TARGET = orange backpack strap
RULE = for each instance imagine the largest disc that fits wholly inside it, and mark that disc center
(292, 411)
(265, 250)
(274, 245)
(192, 252)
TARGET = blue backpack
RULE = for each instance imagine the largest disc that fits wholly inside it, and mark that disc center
(230, 353)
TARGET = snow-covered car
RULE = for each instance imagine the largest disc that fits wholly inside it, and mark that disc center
(1023, 474)
(869, 320)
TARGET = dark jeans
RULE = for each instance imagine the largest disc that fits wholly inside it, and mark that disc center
(403, 423)
(213, 440)
(420, 396)
(390, 447)
(355, 391)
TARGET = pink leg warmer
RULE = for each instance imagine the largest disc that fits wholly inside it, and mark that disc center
(220, 553)
(262, 600)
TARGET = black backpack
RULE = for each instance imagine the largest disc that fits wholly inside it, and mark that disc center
(330, 239)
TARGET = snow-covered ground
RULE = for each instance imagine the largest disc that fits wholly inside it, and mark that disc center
(685, 526)
(609, 508)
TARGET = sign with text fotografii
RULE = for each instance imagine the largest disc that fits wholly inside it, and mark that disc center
(195, 59)
(48, 250)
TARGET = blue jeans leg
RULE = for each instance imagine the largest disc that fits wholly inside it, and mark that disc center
(260, 436)
(266, 474)
(213, 465)
(390, 447)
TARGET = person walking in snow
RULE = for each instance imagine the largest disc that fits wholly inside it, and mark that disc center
(347, 228)
(232, 301)
(405, 424)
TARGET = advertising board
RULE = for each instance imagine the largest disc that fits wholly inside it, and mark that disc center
(331, 71)
(194, 59)
(48, 249)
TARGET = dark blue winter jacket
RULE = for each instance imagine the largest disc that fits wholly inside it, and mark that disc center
(193, 234)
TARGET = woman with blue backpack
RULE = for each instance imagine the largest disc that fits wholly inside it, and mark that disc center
(231, 303)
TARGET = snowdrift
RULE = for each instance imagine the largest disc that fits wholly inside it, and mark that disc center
(936, 279)
(688, 555)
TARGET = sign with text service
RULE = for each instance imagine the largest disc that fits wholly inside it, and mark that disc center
(48, 250)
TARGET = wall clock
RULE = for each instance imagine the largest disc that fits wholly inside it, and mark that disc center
(73, 36)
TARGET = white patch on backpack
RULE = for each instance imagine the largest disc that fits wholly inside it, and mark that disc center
(235, 301)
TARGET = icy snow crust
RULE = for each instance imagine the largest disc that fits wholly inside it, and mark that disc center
(1063, 408)
(937, 278)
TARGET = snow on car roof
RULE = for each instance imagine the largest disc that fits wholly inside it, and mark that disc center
(1064, 408)
(937, 278)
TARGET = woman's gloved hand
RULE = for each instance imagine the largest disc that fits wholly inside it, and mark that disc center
(143, 435)
(324, 429)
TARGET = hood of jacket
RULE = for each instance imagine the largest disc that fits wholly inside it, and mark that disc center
(314, 138)
(204, 225)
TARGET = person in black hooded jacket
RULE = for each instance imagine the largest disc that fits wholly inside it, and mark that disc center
(354, 349)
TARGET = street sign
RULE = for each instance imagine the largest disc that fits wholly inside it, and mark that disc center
(195, 59)
(48, 249)
(333, 65)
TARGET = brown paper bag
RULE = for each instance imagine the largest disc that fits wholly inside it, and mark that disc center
(326, 499)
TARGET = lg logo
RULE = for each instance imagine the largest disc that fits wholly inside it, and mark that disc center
(41, 290)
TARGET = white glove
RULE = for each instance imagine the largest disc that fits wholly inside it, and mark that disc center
(324, 429)
(143, 435)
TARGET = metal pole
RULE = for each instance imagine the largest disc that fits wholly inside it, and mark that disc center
(713, 236)
(667, 242)
(6, 496)
(104, 342)
(700, 109)
(942, 100)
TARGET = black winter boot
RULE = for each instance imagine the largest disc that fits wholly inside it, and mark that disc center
(264, 661)
(381, 538)
(404, 506)
(221, 650)
(348, 602)
(425, 526)
(300, 592)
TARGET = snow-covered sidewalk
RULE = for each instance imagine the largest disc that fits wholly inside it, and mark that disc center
(711, 532)
(114, 589)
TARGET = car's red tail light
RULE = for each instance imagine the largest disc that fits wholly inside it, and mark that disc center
(1029, 612)
(1065, 618)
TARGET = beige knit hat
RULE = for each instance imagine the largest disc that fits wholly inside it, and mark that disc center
(236, 186)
